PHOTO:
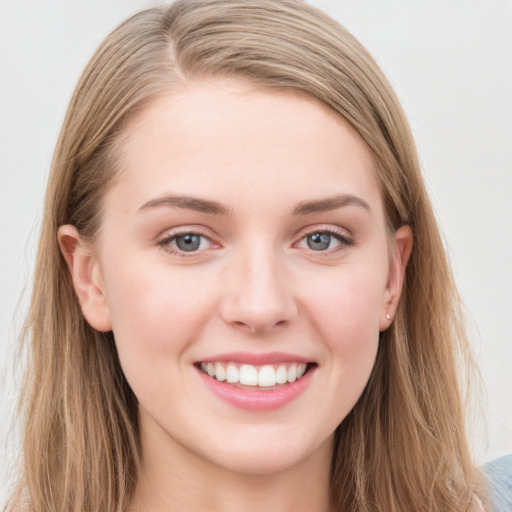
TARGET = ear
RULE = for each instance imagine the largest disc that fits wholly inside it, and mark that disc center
(402, 247)
(87, 278)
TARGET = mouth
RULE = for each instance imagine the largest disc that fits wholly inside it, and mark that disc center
(265, 377)
(256, 382)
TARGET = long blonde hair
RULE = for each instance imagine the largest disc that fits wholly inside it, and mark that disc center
(403, 447)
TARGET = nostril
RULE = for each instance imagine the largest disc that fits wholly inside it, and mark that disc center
(262, 327)
(259, 303)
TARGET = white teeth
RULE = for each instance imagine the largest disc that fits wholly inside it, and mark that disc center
(292, 373)
(266, 376)
(249, 375)
(220, 373)
(281, 375)
(232, 373)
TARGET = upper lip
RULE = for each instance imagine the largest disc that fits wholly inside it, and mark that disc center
(256, 359)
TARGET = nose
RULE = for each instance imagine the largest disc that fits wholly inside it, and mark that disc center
(257, 295)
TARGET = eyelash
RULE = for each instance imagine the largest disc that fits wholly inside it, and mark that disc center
(343, 239)
(165, 242)
(344, 242)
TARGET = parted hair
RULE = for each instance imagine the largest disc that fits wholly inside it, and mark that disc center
(403, 447)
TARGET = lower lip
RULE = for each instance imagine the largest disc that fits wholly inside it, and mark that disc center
(254, 400)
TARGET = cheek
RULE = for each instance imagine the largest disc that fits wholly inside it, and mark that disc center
(156, 315)
(345, 312)
(348, 305)
(157, 310)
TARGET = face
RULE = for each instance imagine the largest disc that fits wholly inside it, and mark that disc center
(244, 268)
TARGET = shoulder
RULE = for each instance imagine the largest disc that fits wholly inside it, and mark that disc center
(499, 477)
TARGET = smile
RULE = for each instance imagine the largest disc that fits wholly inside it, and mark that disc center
(266, 376)
(256, 382)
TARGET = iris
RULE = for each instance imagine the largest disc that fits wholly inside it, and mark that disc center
(188, 242)
(319, 241)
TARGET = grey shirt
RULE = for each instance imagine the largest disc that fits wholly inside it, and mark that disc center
(499, 476)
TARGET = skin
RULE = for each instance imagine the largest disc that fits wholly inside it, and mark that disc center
(254, 285)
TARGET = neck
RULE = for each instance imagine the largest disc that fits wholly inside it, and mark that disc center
(172, 478)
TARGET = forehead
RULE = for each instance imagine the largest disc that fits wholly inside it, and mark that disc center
(226, 138)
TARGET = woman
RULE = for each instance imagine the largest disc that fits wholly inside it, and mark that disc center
(241, 296)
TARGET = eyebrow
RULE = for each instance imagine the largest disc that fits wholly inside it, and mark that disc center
(216, 208)
(189, 203)
(329, 203)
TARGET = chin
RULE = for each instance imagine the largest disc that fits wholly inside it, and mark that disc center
(261, 456)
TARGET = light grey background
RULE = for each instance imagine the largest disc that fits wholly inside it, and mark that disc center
(451, 64)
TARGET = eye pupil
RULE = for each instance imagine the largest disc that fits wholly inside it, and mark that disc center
(319, 241)
(189, 242)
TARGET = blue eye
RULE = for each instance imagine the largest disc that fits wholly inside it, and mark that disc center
(325, 241)
(319, 241)
(185, 243)
(188, 242)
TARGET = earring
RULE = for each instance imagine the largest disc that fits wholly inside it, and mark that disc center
(388, 316)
